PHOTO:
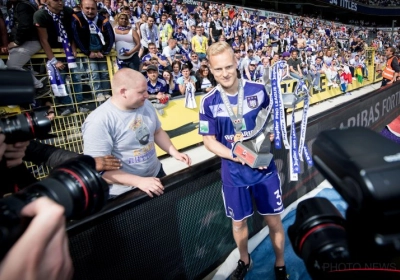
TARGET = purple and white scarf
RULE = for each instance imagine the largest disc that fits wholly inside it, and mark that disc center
(56, 81)
(94, 29)
(190, 100)
(63, 38)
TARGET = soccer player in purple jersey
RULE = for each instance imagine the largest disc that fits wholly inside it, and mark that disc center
(220, 131)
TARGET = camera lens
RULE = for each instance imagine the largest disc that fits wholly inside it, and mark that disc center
(26, 126)
(77, 186)
(318, 235)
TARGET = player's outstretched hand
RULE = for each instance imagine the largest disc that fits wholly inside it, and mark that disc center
(184, 158)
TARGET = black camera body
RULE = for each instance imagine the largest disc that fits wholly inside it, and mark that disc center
(17, 88)
(75, 185)
(364, 168)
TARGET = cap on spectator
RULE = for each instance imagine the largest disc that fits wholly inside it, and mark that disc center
(253, 62)
(286, 54)
(152, 67)
(309, 50)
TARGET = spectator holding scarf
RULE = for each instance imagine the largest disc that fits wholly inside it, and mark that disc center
(53, 24)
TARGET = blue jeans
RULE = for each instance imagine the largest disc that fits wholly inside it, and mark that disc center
(201, 55)
(133, 62)
(296, 76)
(161, 173)
(99, 75)
(315, 78)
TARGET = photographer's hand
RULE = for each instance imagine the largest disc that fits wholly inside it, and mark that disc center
(42, 251)
(14, 153)
(107, 163)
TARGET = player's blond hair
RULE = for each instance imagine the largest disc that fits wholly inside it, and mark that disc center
(218, 48)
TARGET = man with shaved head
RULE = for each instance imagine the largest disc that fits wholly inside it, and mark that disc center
(127, 126)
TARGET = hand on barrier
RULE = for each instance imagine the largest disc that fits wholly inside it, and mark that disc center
(14, 153)
(107, 163)
(160, 96)
(42, 251)
(93, 55)
(150, 185)
(184, 158)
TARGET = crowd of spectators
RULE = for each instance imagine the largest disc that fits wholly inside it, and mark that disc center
(383, 3)
(168, 43)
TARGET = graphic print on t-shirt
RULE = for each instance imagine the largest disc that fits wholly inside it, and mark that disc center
(142, 136)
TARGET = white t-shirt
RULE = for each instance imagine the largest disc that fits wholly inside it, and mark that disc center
(168, 52)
